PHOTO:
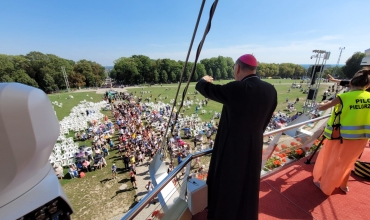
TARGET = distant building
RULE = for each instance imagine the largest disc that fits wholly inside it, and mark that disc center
(366, 60)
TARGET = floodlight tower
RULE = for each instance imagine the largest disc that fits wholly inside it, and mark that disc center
(340, 54)
(65, 78)
(321, 56)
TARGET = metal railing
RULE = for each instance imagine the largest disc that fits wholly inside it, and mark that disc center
(143, 202)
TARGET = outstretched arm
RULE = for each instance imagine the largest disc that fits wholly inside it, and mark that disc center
(219, 93)
(329, 104)
(333, 80)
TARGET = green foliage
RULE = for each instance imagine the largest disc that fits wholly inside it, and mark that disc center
(217, 74)
(210, 72)
(44, 71)
(169, 71)
(283, 70)
(126, 70)
(334, 71)
(163, 77)
(200, 71)
(113, 74)
(22, 77)
(144, 67)
(353, 64)
(6, 78)
(272, 163)
(76, 80)
(224, 74)
(155, 76)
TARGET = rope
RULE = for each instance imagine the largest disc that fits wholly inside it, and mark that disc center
(200, 46)
(208, 27)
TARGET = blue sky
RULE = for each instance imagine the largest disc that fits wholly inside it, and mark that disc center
(105, 30)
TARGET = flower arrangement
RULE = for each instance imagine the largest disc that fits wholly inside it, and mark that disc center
(315, 144)
(274, 162)
(294, 151)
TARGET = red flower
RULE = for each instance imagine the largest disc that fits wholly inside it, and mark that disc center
(283, 146)
(155, 213)
(277, 149)
(299, 151)
(298, 139)
(307, 148)
(284, 160)
(293, 143)
(277, 162)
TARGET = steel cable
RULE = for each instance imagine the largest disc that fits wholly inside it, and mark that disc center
(213, 8)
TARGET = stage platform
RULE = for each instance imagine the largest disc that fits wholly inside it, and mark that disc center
(290, 194)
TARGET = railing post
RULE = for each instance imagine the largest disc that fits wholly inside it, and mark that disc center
(317, 148)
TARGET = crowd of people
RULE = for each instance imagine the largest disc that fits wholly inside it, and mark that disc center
(138, 142)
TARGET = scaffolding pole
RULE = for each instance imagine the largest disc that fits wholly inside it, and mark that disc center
(321, 56)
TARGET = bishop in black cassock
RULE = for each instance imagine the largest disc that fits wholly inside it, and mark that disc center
(234, 173)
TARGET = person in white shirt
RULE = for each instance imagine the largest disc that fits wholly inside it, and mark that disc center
(150, 187)
(198, 138)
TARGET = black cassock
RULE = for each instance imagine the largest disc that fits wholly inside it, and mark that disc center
(235, 167)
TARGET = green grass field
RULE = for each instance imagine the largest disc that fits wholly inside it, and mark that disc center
(68, 104)
(170, 91)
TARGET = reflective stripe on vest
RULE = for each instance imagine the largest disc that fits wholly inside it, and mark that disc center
(350, 132)
(364, 127)
(355, 136)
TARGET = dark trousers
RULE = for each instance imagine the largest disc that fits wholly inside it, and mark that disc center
(126, 165)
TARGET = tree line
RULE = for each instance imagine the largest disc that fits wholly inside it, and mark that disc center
(139, 69)
(44, 71)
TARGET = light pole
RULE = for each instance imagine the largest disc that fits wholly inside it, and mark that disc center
(65, 78)
(340, 54)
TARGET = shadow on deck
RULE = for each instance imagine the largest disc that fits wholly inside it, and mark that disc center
(290, 194)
